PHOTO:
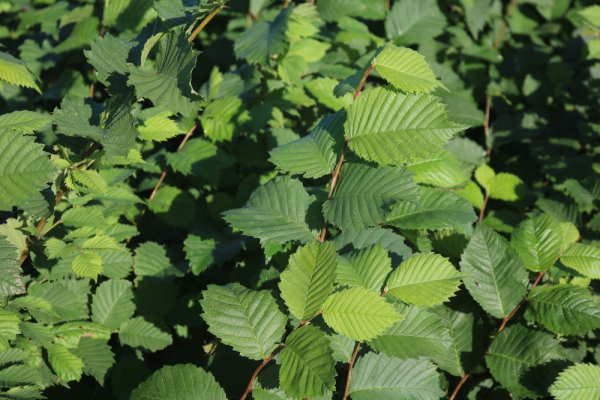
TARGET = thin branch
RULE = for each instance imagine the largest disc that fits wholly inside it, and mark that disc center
(500, 33)
(486, 125)
(482, 211)
(260, 367)
(336, 172)
(52, 227)
(350, 366)
(204, 22)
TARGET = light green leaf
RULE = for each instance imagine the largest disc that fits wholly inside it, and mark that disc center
(322, 89)
(308, 279)
(97, 357)
(9, 328)
(366, 268)
(420, 333)
(565, 309)
(538, 241)
(435, 210)
(276, 211)
(316, 154)
(20, 375)
(517, 351)
(493, 272)
(23, 121)
(476, 13)
(88, 265)
(70, 334)
(112, 304)
(151, 260)
(359, 313)
(583, 258)
(247, 320)
(139, 333)
(159, 127)
(365, 192)
(170, 85)
(424, 280)
(67, 365)
(307, 365)
(406, 70)
(377, 376)
(14, 71)
(218, 119)
(90, 179)
(442, 170)
(178, 382)
(25, 169)
(11, 282)
(342, 347)
(579, 382)
(382, 126)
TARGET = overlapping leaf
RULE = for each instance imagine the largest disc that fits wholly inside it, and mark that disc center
(366, 268)
(583, 258)
(579, 382)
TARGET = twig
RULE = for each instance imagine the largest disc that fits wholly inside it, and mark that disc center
(203, 23)
(350, 365)
(336, 172)
(486, 125)
(260, 367)
(482, 211)
(509, 11)
(52, 227)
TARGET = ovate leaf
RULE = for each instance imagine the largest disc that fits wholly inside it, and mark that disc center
(247, 320)
(97, 356)
(377, 376)
(275, 211)
(424, 280)
(414, 21)
(359, 313)
(565, 309)
(137, 332)
(307, 365)
(309, 278)
(11, 282)
(67, 365)
(583, 258)
(112, 304)
(538, 241)
(88, 265)
(366, 268)
(14, 71)
(494, 273)
(393, 128)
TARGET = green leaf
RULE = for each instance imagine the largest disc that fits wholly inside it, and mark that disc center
(9, 328)
(183, 381)
(11, 282)
(247, 320)
(366, 268)
(309, 278)
(112, 304)
(342, 347)
(70, 334)
(435, 210)
(307, 365)
(377, 376)
(538, 241)
(424, 280)
(88, 265)
(579, 382)
(517, 351)
(109, 55)
(67, 365)
(365, 192)
(159, 127)
(90, 179)
(170, 84)
(97, 357)
(583, 258)
(502, 186)
(14, 71)
(204, 253)
(382, 126)
(442, 170)
(323, 90)
(218, 119)
(151, 260)
(316, 154)
(493, 272)
(411, 22)
(565, 309)
(476, 13)
(20, 375)
(25, 169)
(359, 313)
(367, 237)
(275, 211)
(406, 70)
(420, 333)
(264, 39)
(23, 121)
(139, 333)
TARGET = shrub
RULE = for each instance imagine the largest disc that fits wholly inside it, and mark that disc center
(277, 200)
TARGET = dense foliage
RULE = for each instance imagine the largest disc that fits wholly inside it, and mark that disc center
(362, 199)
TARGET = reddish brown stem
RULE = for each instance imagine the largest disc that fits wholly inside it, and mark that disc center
(486, 125)
(482, 211)
(350, 366)
(500, 33)
(362, 83)
(260, 367)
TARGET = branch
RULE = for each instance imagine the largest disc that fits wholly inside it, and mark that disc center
(260, 367)
(336, 172)
(350, 366)
(204, 23)
(486, 125)
(509, 11)
(482, 211)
